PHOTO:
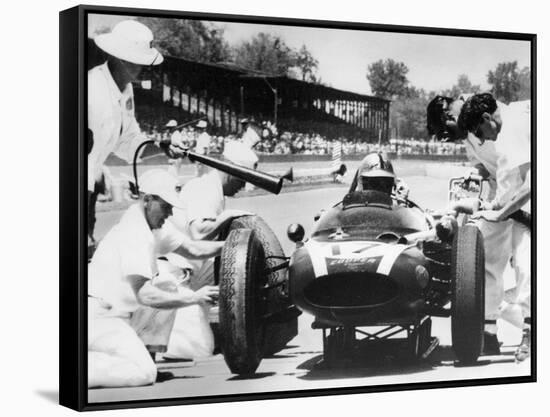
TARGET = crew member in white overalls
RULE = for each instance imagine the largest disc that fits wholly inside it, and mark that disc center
(121, 278)
(443, 114)
(202, 145)
(112, 126)
(202, 217)
(509, 127)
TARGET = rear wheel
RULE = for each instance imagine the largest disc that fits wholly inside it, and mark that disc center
(242, 265)
(468, 293)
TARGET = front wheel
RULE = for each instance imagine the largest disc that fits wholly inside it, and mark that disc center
(468, 293)
(242, 268)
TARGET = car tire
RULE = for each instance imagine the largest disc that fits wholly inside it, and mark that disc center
(278, 334)
(468, 294)
(241, 308)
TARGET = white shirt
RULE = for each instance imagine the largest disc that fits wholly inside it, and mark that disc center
(513, 145)
(486, 154)
(129, 248)
(111, 118)
(250, 137)
(202, 198)
(203, 143)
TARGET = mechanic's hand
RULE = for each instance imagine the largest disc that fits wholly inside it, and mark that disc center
(489, 215)
(177, 141)
(207, 294)
(177, 151)
(466, 205)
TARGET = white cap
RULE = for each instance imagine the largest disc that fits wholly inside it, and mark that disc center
(161, 183)
(239, 153)
(130, 41)
(172, 123)
(202, 124)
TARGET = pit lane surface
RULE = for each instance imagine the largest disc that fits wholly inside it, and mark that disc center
(296, 367)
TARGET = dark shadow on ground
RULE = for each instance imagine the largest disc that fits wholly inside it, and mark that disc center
(259, 375)
(277, 356)
(52, 396)
(169, 376)
(370, 362)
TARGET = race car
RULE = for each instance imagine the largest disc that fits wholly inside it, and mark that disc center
(375, 266)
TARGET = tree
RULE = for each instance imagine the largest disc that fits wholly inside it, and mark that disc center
(388, 79)
(408, 114)
(265, 53)
(463, 86)
(524, 92)
(307, 65)
(505, 81)
(190, 39)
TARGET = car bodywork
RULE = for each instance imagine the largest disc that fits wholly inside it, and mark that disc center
(375, 260)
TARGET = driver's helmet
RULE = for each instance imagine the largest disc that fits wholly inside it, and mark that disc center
(376, 173)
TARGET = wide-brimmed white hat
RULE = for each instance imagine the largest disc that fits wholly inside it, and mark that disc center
(130, 41)
(161, 183)
(202, 124)
(172, 123)
(239, 153)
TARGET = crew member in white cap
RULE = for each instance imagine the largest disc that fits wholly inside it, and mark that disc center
(203, 138)
(202, 145)
(250, 136)
(203, 217)
(112, 126)
(121, 278)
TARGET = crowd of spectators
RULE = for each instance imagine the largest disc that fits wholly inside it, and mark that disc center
(287, 142)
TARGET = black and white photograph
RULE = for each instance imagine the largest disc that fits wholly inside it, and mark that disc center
(278, 206)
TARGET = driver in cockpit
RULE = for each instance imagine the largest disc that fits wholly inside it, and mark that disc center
(375, 173)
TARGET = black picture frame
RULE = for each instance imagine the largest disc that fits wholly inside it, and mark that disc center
(73, 210)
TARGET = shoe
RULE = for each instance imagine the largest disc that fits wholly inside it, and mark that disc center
(491, 345)
(524, 349)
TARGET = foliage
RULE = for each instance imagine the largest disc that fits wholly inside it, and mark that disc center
(509, 83)
(269, 54)
(307, 65)
(388, 79)
(462, 86)
(408, 114)
(265, 53)
(190, 39)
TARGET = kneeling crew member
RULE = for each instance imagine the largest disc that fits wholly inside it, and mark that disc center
(120, 279)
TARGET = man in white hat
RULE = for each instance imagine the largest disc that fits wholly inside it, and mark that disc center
(202, 217)
(112, 126)
(202, 145)
(250, 135)
(121, 278)
(203, 138)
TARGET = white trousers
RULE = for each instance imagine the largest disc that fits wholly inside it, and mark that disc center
(192, 336)
(503, 241)
(116, 355)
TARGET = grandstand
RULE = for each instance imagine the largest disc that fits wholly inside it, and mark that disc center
(183, 90)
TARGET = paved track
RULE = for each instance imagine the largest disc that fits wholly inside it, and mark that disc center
(294, 368)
